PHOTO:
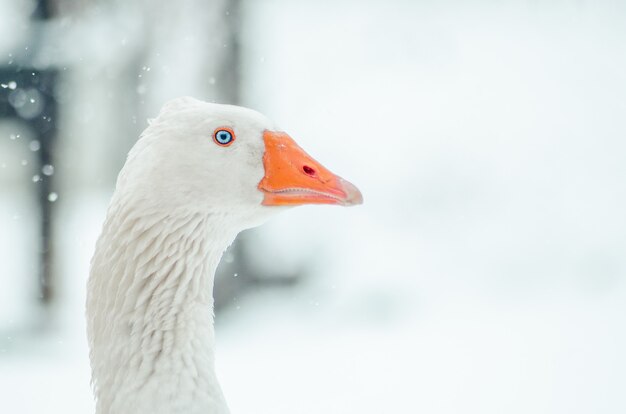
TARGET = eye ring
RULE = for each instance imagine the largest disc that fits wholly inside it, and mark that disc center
(224, 136)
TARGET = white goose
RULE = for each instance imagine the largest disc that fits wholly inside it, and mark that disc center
(199, 174)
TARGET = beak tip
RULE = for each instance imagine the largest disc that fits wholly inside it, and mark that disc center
(353, 195)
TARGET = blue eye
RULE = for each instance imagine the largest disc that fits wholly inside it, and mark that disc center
(224, 136)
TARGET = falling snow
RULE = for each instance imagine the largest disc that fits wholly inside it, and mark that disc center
(34, 145)
(47, 170)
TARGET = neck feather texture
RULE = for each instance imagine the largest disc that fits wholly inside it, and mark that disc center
(150, 312)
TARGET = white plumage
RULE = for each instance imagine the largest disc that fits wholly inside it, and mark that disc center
(179, 201)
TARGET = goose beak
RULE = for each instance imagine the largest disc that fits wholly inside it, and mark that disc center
(293, 177)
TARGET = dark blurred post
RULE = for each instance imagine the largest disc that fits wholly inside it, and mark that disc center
(46, 132)
(230, 76)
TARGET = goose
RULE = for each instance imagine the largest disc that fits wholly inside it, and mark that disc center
(198, 175)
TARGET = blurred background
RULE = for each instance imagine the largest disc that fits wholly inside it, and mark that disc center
(486, 271)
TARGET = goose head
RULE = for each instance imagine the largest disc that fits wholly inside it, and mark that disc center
(199, 174)
(227, 160)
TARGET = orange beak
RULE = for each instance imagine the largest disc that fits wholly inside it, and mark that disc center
(293, 178)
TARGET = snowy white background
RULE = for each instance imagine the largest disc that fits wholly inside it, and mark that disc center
(486, 271)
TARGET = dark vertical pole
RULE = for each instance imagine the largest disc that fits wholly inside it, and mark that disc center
(46, 131)
(230, 76)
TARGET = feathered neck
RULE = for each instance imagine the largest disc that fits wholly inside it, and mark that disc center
(150, 311)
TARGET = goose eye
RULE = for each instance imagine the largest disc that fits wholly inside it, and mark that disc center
(224, 136)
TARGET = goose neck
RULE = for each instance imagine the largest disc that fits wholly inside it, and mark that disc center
(150, 313)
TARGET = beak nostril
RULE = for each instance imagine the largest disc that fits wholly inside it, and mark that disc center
(308, 170)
